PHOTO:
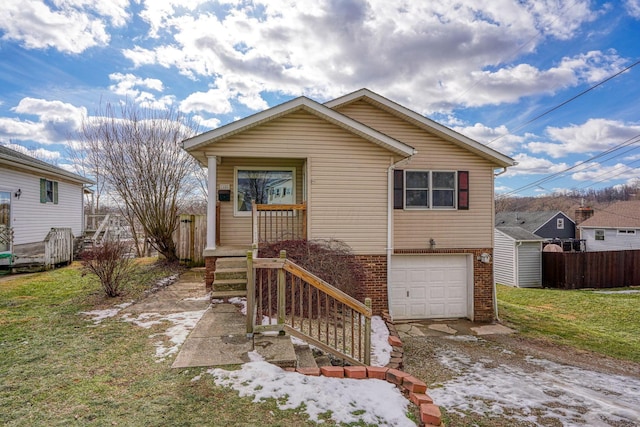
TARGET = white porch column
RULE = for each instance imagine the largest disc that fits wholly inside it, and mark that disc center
(212, 171)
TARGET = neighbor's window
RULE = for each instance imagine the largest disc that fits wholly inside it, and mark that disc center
(560, 223)
(599, 234)
(48, 191)
(627, 232)
(269, 186)
(430, 189)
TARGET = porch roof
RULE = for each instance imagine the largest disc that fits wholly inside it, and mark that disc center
(302, 103)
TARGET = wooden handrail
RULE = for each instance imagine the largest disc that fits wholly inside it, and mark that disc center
(350, 308)
(298, 207)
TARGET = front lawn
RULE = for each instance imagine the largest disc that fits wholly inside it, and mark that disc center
(606, 323)
(58, 368)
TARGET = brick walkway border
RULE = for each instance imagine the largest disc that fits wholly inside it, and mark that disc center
(409, 385)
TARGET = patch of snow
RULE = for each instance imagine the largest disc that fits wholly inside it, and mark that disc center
(203, 298)
(217, 301)
(380, 347)
(241, 301)
(183, 323)
(348, 400)
(97, 316)
(254, 356)
(573, 396)
(464, 338)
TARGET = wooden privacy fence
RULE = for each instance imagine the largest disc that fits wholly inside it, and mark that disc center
(275, 223)
(190, 239)
(58, 247)
(283, 296)
(578, 270)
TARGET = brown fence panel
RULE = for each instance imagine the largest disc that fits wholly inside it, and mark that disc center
(578, 270)
(190, 239)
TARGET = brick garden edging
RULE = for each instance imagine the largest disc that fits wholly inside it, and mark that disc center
(416, 389)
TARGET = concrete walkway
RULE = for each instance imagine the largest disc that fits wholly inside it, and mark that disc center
(219, 338)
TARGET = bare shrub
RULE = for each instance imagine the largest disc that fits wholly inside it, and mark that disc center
(330, 260)
(111, 263)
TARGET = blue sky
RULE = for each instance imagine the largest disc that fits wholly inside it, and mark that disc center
(482, 67)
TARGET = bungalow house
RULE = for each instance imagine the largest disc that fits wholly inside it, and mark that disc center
(614, 228)
(519, 240)
(411, 197)
(36, 197)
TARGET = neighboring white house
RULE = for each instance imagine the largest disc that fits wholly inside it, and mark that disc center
(517, 257)
(614, 228)
(34, 198)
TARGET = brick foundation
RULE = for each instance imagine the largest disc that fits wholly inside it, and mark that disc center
(210, 269)
(375, 285)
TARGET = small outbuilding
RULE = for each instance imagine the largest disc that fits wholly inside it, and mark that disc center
(517, 257)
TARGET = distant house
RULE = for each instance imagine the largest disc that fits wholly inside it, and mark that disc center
(612, 229)
(518, 242)
(411, 197)
(36, 197)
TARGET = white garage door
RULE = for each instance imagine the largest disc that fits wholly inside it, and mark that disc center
(429, 286)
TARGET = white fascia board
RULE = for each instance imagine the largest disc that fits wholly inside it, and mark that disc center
(427, 124)
(289, 107)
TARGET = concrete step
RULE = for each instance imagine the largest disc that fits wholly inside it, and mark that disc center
(230, 273)
(230, 285)
(304, 357)
(231, 262)
(228, 294)
(276, 349)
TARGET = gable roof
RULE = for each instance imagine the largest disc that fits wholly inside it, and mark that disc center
(619, 215)
(519, 234)
(15, 158)
(305, 104)
(423, 123)
(530, 221)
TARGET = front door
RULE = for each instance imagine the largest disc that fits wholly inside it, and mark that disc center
(5, 221)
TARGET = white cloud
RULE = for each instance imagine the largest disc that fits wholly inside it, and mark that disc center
(56, 121)
(528, 165)
(594, 135)
(600, 173)
(39, 153)
(327, 48)
(633, 8)
(70, 26)
(215, 101)
(499, 138)
(207, 123)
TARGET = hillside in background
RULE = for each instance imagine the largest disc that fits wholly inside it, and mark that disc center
(569, 202)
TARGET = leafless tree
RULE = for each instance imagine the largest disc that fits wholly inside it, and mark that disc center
(139, 151)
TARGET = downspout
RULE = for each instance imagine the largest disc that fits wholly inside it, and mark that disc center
(389, 248)
(495, 289)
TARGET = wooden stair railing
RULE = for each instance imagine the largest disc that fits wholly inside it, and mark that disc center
(275, 223)
(284, 297)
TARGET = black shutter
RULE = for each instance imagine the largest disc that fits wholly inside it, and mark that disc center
(398, 189)
(463, 190)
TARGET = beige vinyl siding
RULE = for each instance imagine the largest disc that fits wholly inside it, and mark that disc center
(413, 229)
(345, 174)
(32, 220)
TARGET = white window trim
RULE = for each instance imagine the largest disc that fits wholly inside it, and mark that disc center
(430, 191)
(595, 234)
(236, 212)
(560, 223)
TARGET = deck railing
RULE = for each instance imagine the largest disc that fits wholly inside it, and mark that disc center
(282, 296)
(275, 223)
(58, 247)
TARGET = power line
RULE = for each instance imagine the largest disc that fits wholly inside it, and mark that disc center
(573, 98)
(623, 144)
